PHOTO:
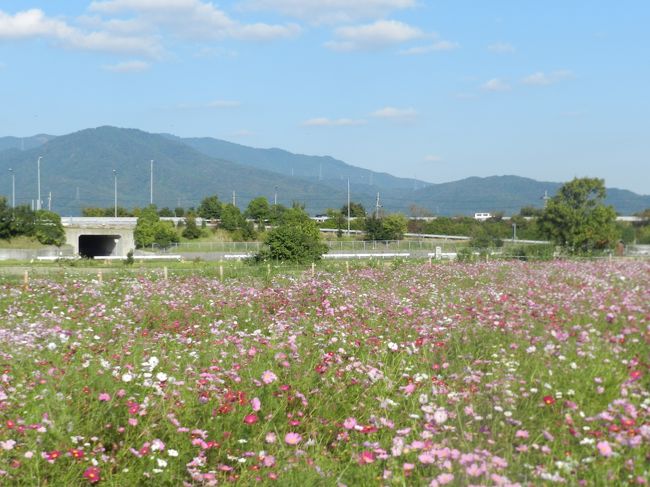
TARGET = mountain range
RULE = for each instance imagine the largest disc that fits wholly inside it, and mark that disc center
(78, 171)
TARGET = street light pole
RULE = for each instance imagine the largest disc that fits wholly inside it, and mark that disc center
(38, 169)
(115, 189)
(275, 197)
(13, 188)
(151, 184)
(348, 207)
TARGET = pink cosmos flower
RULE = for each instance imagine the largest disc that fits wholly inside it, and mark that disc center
(104, 396)
(250, 419)
(445, 478)
(349, 423)
(268, 461)
(604, 448)
(366, 456)
(269, 377)
(256, 404)
(521, 434)
(292, 438)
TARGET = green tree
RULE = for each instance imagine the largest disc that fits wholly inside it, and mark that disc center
(166, 212)
(210, 208)
(191, 230)
(231, 217)
(391, 227)
(296, 239)
(577, 218)
(258, 209)
(356, 210)
(150, 230)
(395, 226)
(48, 228)
(275, 213)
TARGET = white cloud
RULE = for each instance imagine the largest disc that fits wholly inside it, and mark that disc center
(34, 23)
(432, 158)
(541, 79)
(393, 113)
(134, 66)
(436, 46)
(378, 35)
(501, 48)
(224, 104)
(195, 19)
(327, 122)
(330, 11)
(496, 84)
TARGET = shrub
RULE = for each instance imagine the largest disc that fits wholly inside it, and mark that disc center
(296, 239)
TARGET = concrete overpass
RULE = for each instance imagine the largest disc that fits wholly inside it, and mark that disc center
(97, 236)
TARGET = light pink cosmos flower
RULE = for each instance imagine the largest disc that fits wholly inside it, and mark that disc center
(269, 377)
(445, 478)
(104, 396)
(256, 404)
(349, 423)
(270, 437)
(292, 438)
(604, 448)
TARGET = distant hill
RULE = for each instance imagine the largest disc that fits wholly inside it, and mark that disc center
(311, 168)
(86, 159)
(24, 143)
(77, 169)
(509, 194)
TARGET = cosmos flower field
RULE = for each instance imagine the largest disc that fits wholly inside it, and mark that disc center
(458, 374)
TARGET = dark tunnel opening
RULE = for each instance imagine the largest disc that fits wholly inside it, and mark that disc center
(91, 246)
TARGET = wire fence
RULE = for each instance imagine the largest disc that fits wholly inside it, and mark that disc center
(332, 245)
(262, 273)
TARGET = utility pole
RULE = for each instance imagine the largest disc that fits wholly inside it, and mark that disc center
(115, 190)
(234, 198)
(546, 197)
(377, 206)
(320, 172)
(38, 178)
(49, 201)
(514, 232)
(275, 197)
(151, 183)
(348, 207)
(13, 188)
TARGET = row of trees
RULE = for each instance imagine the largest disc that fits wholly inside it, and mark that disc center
(44, 225)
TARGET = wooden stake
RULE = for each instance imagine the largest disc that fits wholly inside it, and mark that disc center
(165, 273)
(313, 269)
(26, 279)
(100, 278)
(221, 273)
(347, 267)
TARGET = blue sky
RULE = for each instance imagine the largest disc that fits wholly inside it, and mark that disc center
(440, 90)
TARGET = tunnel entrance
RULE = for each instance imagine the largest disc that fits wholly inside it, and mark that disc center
(91, 246)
